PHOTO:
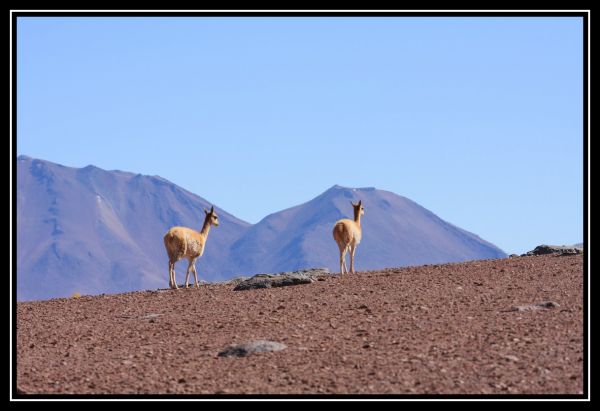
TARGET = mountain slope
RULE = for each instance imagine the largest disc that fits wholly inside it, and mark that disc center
(95, 231)
(396, 232)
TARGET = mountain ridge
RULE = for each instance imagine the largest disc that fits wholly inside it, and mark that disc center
(92, 231)
(299, 231)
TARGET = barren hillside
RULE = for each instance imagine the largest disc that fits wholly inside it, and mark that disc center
(476, 327)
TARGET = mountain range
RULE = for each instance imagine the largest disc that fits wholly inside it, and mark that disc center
(92, 231)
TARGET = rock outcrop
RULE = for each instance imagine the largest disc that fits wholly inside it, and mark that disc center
(282, 279)
(554, 249)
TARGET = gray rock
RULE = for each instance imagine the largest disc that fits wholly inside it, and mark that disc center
(548, 304)
(242, 350)
(151, 315)
(544, 305)
(282, 279)
(554, 249)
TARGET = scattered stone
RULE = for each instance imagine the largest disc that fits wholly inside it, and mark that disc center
(548, 304)
(151, 315)
(513, 256)
(282, 279)
(553, 249)
(242, 350)
(530, 307)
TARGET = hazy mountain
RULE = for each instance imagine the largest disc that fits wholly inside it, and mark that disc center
(95, 231)
(396, 232)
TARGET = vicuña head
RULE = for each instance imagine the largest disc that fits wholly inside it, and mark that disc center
(185, 242)
(347, 234)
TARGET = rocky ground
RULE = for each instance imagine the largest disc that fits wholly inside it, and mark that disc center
(508, 326)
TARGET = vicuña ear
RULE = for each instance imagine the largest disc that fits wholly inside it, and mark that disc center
(212, 209)
(359, 202)
(353, 205)
(205, 212)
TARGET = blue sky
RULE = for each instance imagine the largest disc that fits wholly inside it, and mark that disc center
(477, 119)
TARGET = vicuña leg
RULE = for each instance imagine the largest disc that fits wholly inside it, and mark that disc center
(352, 251)
(195, 273)
(172, 282)
(343, 268)
(187, 273)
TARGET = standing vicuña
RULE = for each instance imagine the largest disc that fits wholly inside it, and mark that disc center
(347, 235)
(183, 242)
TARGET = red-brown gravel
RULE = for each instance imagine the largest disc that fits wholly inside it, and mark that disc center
(436, 329)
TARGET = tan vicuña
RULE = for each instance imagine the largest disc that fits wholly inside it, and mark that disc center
(347, 234)
(183, 242)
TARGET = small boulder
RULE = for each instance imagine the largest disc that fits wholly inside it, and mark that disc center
(242, 350)
(282, 279)
(544, 305)
(548, 304)
(554, 249)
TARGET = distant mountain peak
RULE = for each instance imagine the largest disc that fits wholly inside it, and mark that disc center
(396, 232)
(355, 189)
(91, 167)
(92, 230)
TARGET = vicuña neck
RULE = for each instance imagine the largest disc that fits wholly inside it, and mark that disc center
(205, 227)
(357, 217)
